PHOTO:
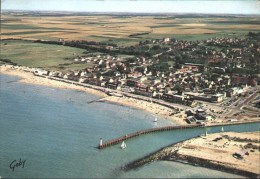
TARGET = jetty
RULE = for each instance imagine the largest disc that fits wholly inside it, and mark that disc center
(97, 100)
(115, 141)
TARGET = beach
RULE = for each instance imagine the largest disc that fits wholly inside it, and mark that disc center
(30, 78)
(56, 123)
(227, 151)
(231, 152)
(155, 109)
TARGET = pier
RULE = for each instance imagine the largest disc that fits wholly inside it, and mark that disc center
(97, 100)
(115, 141)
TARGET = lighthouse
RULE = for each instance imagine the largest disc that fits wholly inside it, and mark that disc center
(100, 142)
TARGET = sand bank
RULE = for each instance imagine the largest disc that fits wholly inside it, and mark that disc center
(153, 108)
(214, 151)
(217, 151)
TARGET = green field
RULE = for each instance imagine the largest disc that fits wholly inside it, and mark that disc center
(48, 56)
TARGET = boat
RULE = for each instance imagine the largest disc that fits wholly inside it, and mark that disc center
(222, 129)
(123, 145)
(155, 120)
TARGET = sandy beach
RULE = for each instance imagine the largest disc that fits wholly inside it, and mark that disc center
(155, 109)
(30, 78)
(217, 151)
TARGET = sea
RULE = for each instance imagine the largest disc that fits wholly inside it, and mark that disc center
(57, 131)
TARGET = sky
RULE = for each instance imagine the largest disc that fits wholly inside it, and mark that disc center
(138, 6)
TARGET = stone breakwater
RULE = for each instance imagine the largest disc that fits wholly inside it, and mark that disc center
(171, 154)
(161, 154)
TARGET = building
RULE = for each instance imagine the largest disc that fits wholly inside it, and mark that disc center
(200, 116)
(173, 98)
(205, 97)
(234, 91)
(131, 82)
(217, 98)
(143, 90)
(94, 81)
(112, 85)
(190, 119)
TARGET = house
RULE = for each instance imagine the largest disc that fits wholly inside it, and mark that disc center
(134, 75)
(95, 81)
(218, 70)
(41, 72)
(131, 82)
(166, 39)
(183, 70)
(54, 74)
(199, 66)
(109, 47)
(69, 75)
(83, 80)
(193, 68)
(112, 85)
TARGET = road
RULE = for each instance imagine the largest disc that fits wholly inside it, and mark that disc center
(127, 94)
(241, 103)
(232, 109)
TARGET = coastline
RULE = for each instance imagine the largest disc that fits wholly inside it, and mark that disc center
(214, 154)
(153, 108)
(29, 78)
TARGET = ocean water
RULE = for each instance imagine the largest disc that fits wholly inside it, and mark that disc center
(57, 131)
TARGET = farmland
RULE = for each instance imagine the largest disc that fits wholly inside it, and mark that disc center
(123, 30)
(39, 55)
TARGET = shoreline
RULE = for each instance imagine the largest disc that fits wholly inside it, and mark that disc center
(186, 152)
(153, 108)
(30, 78)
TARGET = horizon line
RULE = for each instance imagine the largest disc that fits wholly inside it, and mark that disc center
(118, 12)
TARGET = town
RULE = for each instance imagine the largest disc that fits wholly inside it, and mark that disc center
(130, 89)
(211, 74)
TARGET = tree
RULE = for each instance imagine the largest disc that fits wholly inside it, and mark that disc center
(178, 88)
